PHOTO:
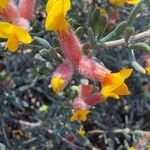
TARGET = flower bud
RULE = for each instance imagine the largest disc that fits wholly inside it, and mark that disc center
(26, 8)
(86, 90)
(89, 68)
(94, 99)
(71, 137)
(79, 103)
(10, 13)
(70, 45)
(146, 60)
(61, 76)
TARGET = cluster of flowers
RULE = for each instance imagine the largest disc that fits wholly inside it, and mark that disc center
(15, 22)
(15, 26)
(112, 83)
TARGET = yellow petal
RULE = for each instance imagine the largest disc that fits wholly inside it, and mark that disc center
(80, 114)
(118, 2)
(125, 72)
(114, 80)
(113, 95)
(109, 93)
(56, 15)
(55, 23)
(122, 90)
(131, 148)
(114, 85)
(6, 29)
(133, 2)
(57, 84)
(67, 6)
(50, 4)
(148, 71)
(3, 4)
(12, 43)
(81, 131)
(22, 35)
(103, 11)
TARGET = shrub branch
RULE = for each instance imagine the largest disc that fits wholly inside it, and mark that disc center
(121, 42)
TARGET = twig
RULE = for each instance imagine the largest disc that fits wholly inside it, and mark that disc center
(123, 131)
(70, 144)
(21, 123)
(121, 42)
(43, 130)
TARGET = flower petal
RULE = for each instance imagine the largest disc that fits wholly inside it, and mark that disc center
(133, 2)
(50, 4)
(80, 114)
(57, 84)
(12, 43)
(125, 72)
(86, 90)
(3, 4)
(148, 71)
(122, 90)
(114, 84)
(118, 2)
(81, 131)
(5, 29)
(22, 35)
(67, 6)
(56, 15)
(56, 22)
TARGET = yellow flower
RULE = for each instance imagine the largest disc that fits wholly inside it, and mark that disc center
(148, 148)
(133, 2)
(81, 131)
(3, 4)
(15, 35)
(57, 10)
(57, 84)
(118, 2)
(80, 114)
(148, 71)
(122, 2)
(103, 11)
(131, 148)
(114, 85)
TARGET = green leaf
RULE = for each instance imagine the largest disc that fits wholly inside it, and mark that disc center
(134, 13)
(46, 54)
(128, 32)
(39, 58)
(98, 23)
(79, 31)
(101, 26)
(115, 34)
(140, 46)
(42, 41)
(138, 67)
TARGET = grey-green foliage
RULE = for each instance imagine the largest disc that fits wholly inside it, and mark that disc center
(133, 14)
(140, 46)
(128, 33)
(115, 34)
(42, 42)
(98, 23)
